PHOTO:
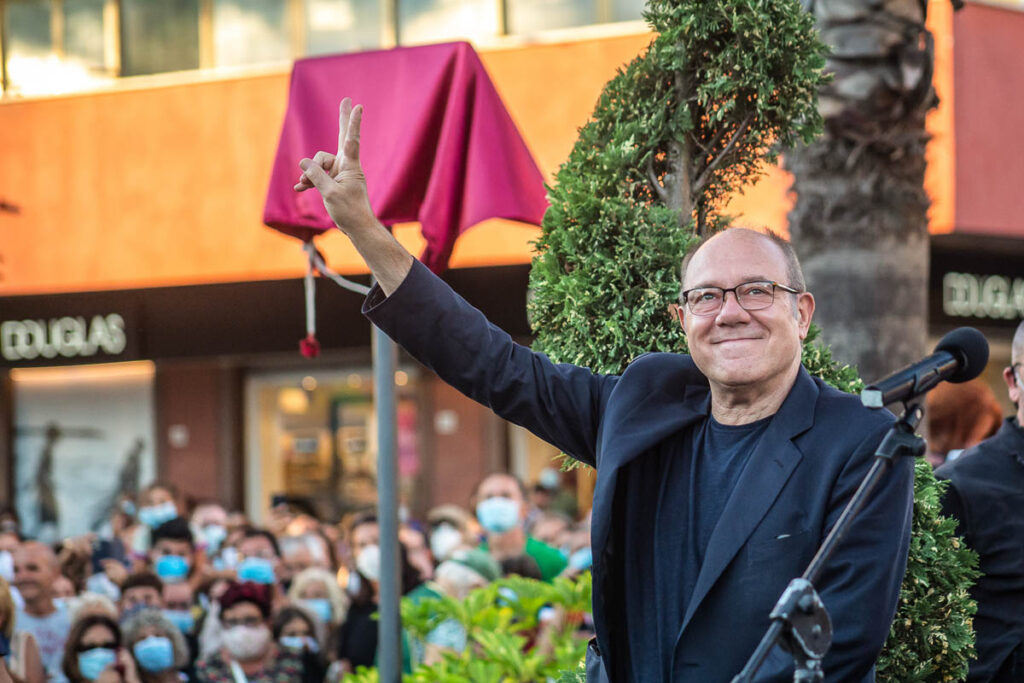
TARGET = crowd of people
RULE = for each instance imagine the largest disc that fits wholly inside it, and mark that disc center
(166, 593)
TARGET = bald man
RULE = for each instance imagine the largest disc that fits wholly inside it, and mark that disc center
(36, 570)
(719, 472)
(986, 498)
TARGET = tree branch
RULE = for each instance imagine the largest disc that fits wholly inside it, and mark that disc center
(655, 183)
(705, 175)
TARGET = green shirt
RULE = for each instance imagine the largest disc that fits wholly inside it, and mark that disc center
(548, 559)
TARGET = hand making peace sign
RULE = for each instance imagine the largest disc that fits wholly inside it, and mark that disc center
(339, 177)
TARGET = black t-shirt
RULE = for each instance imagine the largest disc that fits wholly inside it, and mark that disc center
(357, 636)
(664, 552)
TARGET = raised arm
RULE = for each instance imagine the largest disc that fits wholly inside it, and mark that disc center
(562, 404)
(340, 180)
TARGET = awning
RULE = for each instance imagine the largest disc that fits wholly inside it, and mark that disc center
(437, 144)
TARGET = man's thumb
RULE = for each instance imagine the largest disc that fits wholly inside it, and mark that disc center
(315, 174)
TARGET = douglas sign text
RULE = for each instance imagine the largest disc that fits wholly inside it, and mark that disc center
(67, 337)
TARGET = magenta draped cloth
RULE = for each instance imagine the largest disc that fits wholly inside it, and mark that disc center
(437, 144)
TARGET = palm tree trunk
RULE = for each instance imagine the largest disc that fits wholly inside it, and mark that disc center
(860, 224)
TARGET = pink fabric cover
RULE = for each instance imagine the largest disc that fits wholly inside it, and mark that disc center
(438, 146)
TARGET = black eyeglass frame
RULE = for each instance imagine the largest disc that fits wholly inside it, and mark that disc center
(774, 285)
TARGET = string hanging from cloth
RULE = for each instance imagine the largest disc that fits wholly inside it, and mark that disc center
(315, 263)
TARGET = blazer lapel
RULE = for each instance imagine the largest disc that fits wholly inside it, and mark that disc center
(762, 479)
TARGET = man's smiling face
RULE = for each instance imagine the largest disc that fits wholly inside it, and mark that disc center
(736, 348)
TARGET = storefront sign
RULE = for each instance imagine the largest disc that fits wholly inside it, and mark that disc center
(80, 337)
(969, 295)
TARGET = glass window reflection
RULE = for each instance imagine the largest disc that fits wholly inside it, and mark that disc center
(531, 16)
(342, 26)
(83, 33)
(29, 48)
(250, 32)
(433, 21)
(627, 10)
(159, 36)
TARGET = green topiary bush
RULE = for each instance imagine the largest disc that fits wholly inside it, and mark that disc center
(674, 133)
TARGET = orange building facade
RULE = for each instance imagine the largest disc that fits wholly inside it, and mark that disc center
(136, 273)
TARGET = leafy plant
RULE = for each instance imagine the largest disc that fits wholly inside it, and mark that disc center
(507, 639)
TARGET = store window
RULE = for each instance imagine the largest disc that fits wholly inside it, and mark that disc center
(82, 437)
(84, 34)
(531, 16)
(435, 21)
(314, 437)
(334, 26)
(53, 47)
(250, 32)
(158, 36)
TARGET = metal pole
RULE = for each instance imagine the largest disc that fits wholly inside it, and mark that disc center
(389, 647)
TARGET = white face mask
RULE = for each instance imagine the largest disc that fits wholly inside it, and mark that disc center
(7, 565)
(443, 541)
(368, 562)
(246, 643)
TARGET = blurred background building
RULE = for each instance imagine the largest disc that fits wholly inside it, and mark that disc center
(149, 321)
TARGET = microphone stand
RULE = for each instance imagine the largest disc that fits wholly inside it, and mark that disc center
(800, 621)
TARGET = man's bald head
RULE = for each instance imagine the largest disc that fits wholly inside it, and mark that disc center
(35, 570)
(794, 273)
(39, 552)
(1017, 347)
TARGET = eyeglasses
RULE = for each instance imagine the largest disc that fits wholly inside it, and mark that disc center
(1015, 369)
(751, 296)
(245, 621)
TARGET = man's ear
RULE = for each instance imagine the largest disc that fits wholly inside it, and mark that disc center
(1015, 391)
(804, 312)
(676, 311)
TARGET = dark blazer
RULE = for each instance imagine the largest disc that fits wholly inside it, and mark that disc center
(808, 463)
(986, 497)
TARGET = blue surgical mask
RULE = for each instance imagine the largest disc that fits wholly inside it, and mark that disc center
(171, 568)
(498, 515)
(155, 515)
(299, 643)
(155, 653)
(212, 535)
(582, 559)
(182, 619)
(128, 508)
(92, 662)
(257, 570)
(321, 607)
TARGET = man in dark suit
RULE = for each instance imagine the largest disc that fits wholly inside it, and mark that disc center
(718, 473)
(986, 497)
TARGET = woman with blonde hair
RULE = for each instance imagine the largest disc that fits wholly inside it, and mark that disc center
(24, 665)
(318, 591)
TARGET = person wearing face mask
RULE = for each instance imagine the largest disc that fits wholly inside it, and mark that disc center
(317, 590)
(93, 653)
(357, 637)
(209, 524)
(158, 504)
(141, 590)
(259, 560)
(248, 653)
(449, 529)
(181, 610)
(172, 552)
(297, 630)
(501, 509)
(159, 650)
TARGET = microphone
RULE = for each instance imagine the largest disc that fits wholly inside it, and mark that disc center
(959, 356)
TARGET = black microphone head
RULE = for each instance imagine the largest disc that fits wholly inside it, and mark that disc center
(971, 349)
